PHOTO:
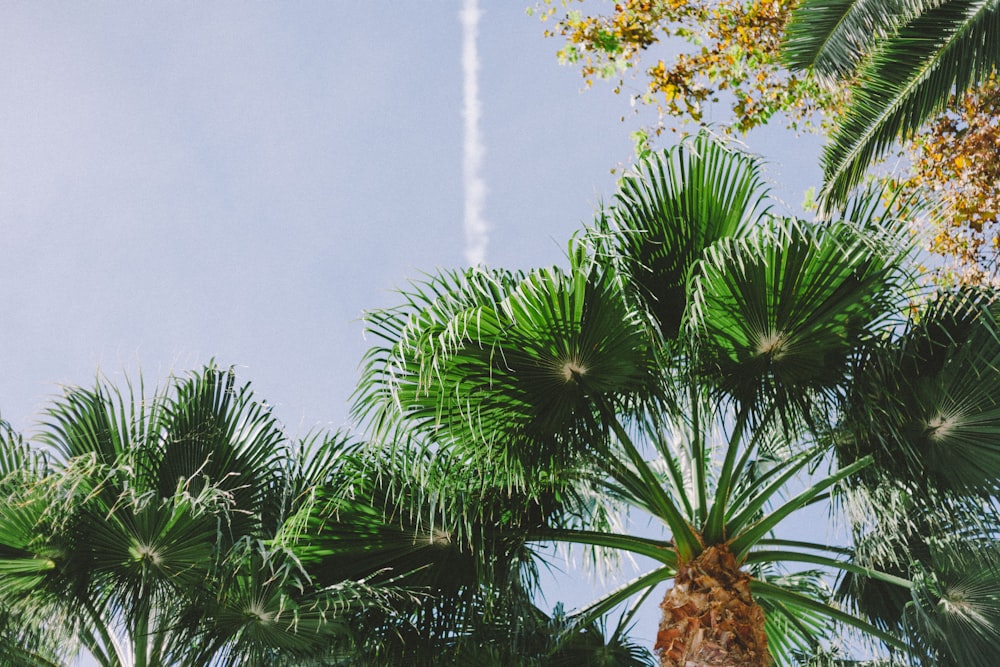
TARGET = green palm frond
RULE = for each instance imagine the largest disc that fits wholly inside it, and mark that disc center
(101, 422)
(152, 551)
(764, 590)
(214, 430)
(595, 644)
(901, 80)
(432, 527)
(926, 404)
(17, 458)
(954, 616)
(268, 612)
(838, 658)
(777, 315)
(832, 36)
(34, 630)
(672, 207)
(428, 308)
(32, 636)
(897, 529)
(947, 545)
(793, 630)
(515, 379)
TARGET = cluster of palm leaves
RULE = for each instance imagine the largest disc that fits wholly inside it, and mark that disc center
(147, 530)
(716, 368)
(185, 528)
(700, 373)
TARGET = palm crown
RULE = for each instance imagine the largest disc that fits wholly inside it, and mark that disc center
(719, 368)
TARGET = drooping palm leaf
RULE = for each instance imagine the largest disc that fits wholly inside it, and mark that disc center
(904, 79)
(791, 629)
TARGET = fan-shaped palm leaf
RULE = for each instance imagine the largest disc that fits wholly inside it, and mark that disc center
(670, 209)
(955, 612)
(214, 430)
(778, 314)
(267, 611)
(434, 527)
(926, 404)
(514, 378)
(899, 529)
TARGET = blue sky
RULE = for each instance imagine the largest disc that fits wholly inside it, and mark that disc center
(185, 181)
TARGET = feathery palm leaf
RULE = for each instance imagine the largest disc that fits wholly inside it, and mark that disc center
(902, 80)
(832, 36)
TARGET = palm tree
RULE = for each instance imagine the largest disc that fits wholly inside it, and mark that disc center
(437, 528)
(26, 640)
(903, 59)
(716, 368)
(147, 530)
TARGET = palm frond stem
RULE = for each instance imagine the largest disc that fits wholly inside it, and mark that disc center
(778, 593)
(659, 550)
(774, 556)
(684, 535)
(715, 527)
(790, 468)
(742, 543)
(609, 601)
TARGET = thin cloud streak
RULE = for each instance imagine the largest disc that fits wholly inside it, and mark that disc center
(476, 226)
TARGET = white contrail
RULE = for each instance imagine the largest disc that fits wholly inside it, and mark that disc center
(476, 227)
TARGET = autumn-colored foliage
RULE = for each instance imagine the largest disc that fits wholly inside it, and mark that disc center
(733, 59)
(957, 163)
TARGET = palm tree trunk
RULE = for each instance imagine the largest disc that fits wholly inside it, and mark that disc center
(709, 618)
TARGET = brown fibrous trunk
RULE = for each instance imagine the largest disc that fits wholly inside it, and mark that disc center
(709, 617)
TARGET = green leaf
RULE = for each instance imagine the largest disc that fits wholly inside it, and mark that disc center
(676, 204)
(778, 315)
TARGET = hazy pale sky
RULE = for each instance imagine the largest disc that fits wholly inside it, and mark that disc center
(181, 181)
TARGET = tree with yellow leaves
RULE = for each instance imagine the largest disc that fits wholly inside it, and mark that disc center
(907, 75)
